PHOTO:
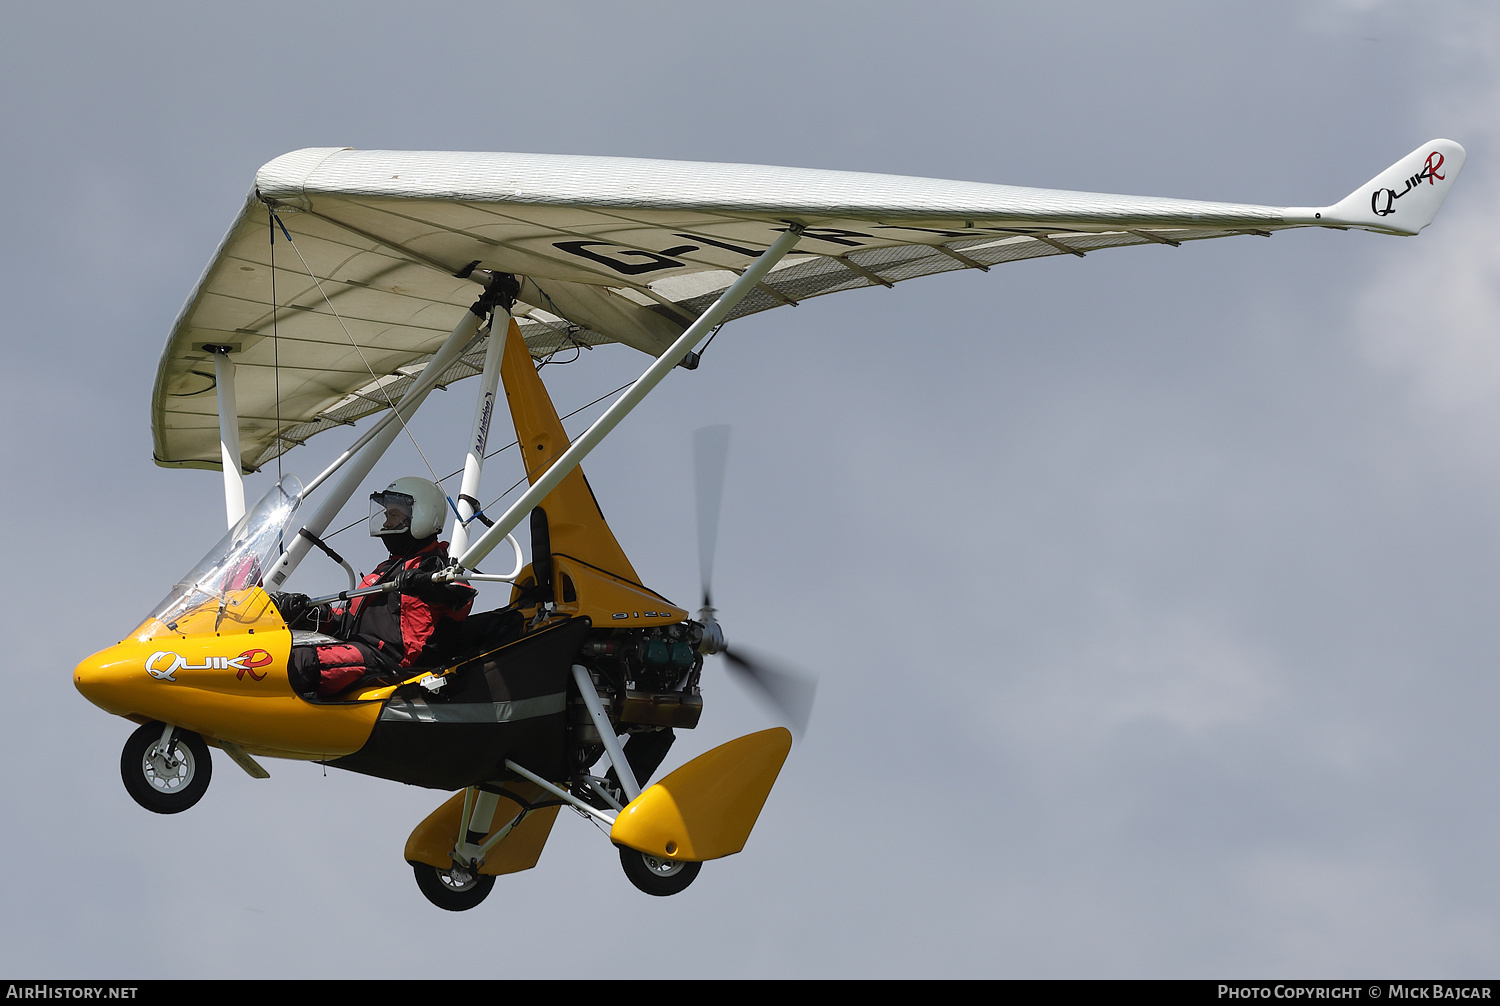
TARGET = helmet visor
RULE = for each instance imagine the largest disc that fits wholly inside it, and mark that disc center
(390, 513)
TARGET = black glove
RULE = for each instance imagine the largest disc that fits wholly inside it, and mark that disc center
(415, 583)
(290, 605)
(419, 584)
(298, 614)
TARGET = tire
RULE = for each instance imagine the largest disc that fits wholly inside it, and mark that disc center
(452, 890)
(160, 785)
(658, 877)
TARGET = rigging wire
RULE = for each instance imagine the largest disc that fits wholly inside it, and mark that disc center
(271, 222)
(711, 337)
(513, 443)
(384, 392)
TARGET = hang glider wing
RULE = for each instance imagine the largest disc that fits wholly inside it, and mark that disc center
(367, 268)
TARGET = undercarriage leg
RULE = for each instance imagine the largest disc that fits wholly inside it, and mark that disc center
(474, 824)
(479, 821)
(606, 732)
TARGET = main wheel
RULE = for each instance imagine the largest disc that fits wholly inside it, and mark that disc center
(456, 889)
(658, 877)
(162, 781)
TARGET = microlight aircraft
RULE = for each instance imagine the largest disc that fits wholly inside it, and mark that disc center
(353, 282)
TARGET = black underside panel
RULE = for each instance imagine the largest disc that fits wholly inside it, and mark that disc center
(511, 703)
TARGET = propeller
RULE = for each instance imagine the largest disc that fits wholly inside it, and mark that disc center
(710, 459)
(787, 693)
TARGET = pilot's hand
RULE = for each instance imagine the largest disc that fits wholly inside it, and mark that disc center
(420, 584)
(414, 582)
(290, 605)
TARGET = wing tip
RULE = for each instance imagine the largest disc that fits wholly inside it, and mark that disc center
(1402, 199)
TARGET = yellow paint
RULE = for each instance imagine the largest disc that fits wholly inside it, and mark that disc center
(242, 610)
(608, 601)
(433, 840)
(228, 684)
(604, 584)
(705, 809)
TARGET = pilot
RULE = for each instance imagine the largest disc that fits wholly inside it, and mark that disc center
(385, 635)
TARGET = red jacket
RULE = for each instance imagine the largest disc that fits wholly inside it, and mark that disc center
(404, 626)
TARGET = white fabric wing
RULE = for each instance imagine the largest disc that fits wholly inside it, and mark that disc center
(611, 250)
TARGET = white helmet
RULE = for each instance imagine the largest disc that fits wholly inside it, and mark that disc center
(409, 504)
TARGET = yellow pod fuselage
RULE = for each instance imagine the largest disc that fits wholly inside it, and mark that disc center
(224, 675)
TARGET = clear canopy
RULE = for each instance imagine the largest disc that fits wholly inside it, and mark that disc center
(239, 559)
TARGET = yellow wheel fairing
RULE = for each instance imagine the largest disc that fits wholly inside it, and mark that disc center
(705, 809)
(433, 840)
(228, 684)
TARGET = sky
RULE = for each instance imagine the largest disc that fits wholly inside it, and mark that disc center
(1150, 595)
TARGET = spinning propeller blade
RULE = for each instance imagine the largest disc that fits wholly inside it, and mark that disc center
(789, 694)
(710, 458)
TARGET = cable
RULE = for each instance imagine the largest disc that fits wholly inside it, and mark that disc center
(275, 333)
(552, 361)
(380, 387)
(513, 443)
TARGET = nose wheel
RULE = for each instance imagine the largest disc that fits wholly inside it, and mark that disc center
(656, 876)
(165, 770)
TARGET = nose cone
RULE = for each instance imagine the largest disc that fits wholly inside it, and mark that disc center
(110, 678)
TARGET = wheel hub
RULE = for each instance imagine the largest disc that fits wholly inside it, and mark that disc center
(166, 772)
(662, 867)
(458, 878)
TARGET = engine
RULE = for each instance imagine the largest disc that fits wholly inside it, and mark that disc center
(647, 679)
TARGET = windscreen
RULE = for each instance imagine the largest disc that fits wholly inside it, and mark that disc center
(239, 559)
